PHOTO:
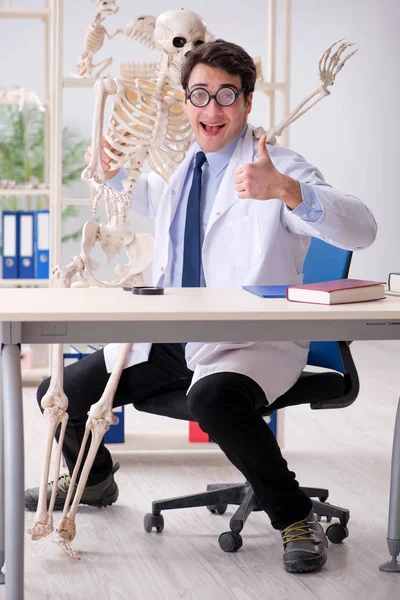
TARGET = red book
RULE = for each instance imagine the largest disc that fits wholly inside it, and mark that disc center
(338, 291)
(196, 434)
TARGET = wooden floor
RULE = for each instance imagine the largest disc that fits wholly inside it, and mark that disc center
(347, 450)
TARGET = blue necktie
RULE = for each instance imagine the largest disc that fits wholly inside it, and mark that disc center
(192, 241)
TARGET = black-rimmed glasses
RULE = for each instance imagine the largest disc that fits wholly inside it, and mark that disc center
(225, 96)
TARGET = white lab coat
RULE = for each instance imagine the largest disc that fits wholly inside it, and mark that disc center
(250, 242)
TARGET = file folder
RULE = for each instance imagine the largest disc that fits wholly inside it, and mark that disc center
(71, 354)
(42, 244)
(116, 433)
(26, 267)
(267, 291)
(10, 229)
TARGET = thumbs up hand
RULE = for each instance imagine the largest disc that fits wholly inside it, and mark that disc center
(260, 180)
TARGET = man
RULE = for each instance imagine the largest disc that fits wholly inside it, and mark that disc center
(258, 208)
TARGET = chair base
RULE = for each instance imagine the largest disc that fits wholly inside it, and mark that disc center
(219, 496)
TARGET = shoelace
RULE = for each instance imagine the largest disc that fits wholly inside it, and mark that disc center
(63, 482)
(299, 531)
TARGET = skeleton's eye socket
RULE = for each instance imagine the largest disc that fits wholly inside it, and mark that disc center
(199, 43)
(179, 42)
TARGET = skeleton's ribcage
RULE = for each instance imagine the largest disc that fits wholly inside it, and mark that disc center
(94, 38)
(147, 124)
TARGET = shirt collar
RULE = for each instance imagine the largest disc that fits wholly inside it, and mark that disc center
(218, 161)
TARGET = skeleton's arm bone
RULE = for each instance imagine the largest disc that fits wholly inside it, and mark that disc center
(94, 172)
(296, 113)
(329, 66)
(110, 36)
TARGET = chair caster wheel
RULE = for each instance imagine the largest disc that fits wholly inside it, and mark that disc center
(336, 533)
(219, 509)
(150, 521)
(230, 541)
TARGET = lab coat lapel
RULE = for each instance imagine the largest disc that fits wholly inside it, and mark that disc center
(165, 216)
(227, 195)
(177, 181)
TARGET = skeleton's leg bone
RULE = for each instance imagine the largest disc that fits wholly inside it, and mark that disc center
(104, 64)
(57, 465)
(94, 172)
(100, 418)
(55, 404)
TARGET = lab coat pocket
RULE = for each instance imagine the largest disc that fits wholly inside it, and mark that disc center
(241, 238)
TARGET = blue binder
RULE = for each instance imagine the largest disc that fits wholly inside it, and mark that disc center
(26, 267)
(116, 433)
(71, 355)
(267, 291)
(42, 244)
(10, 229)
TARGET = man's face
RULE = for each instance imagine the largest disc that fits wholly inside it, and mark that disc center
(216, 126)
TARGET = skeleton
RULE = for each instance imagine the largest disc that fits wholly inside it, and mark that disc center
(161, 134)
(332, 61)
(21, 97)
(94, 40)
(151, 113)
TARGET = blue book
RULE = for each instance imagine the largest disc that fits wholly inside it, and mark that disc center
(10, 228)
(267, 291)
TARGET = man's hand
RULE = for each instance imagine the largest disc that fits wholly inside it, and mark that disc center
(105, 159)
(260, 180)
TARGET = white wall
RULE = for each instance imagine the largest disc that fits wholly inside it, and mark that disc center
(351, 136)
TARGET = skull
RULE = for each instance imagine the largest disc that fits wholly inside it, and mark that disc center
(106, 7)
(176, 33)
(141, 28)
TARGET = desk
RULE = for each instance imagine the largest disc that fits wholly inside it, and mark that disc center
(46, 316)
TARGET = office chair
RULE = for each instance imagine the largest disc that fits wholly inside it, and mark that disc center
(336, 388)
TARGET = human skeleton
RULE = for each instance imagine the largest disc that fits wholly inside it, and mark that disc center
(150, 112)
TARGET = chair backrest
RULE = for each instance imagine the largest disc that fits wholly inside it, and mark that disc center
(323, 390)
(323, 263)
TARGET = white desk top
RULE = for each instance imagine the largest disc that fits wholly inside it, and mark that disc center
(196, 304)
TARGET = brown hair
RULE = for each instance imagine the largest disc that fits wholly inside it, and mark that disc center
(222, 55)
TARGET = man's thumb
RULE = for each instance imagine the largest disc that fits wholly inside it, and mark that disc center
(262, 149)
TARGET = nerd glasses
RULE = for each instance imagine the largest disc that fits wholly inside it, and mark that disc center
(225, 96)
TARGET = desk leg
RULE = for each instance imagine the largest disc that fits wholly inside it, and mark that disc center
(2, 523)
(393, 538)
(14, 471)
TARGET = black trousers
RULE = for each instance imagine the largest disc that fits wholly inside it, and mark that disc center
(224, 404)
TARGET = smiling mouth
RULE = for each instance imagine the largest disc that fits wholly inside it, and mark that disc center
(212, 129)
